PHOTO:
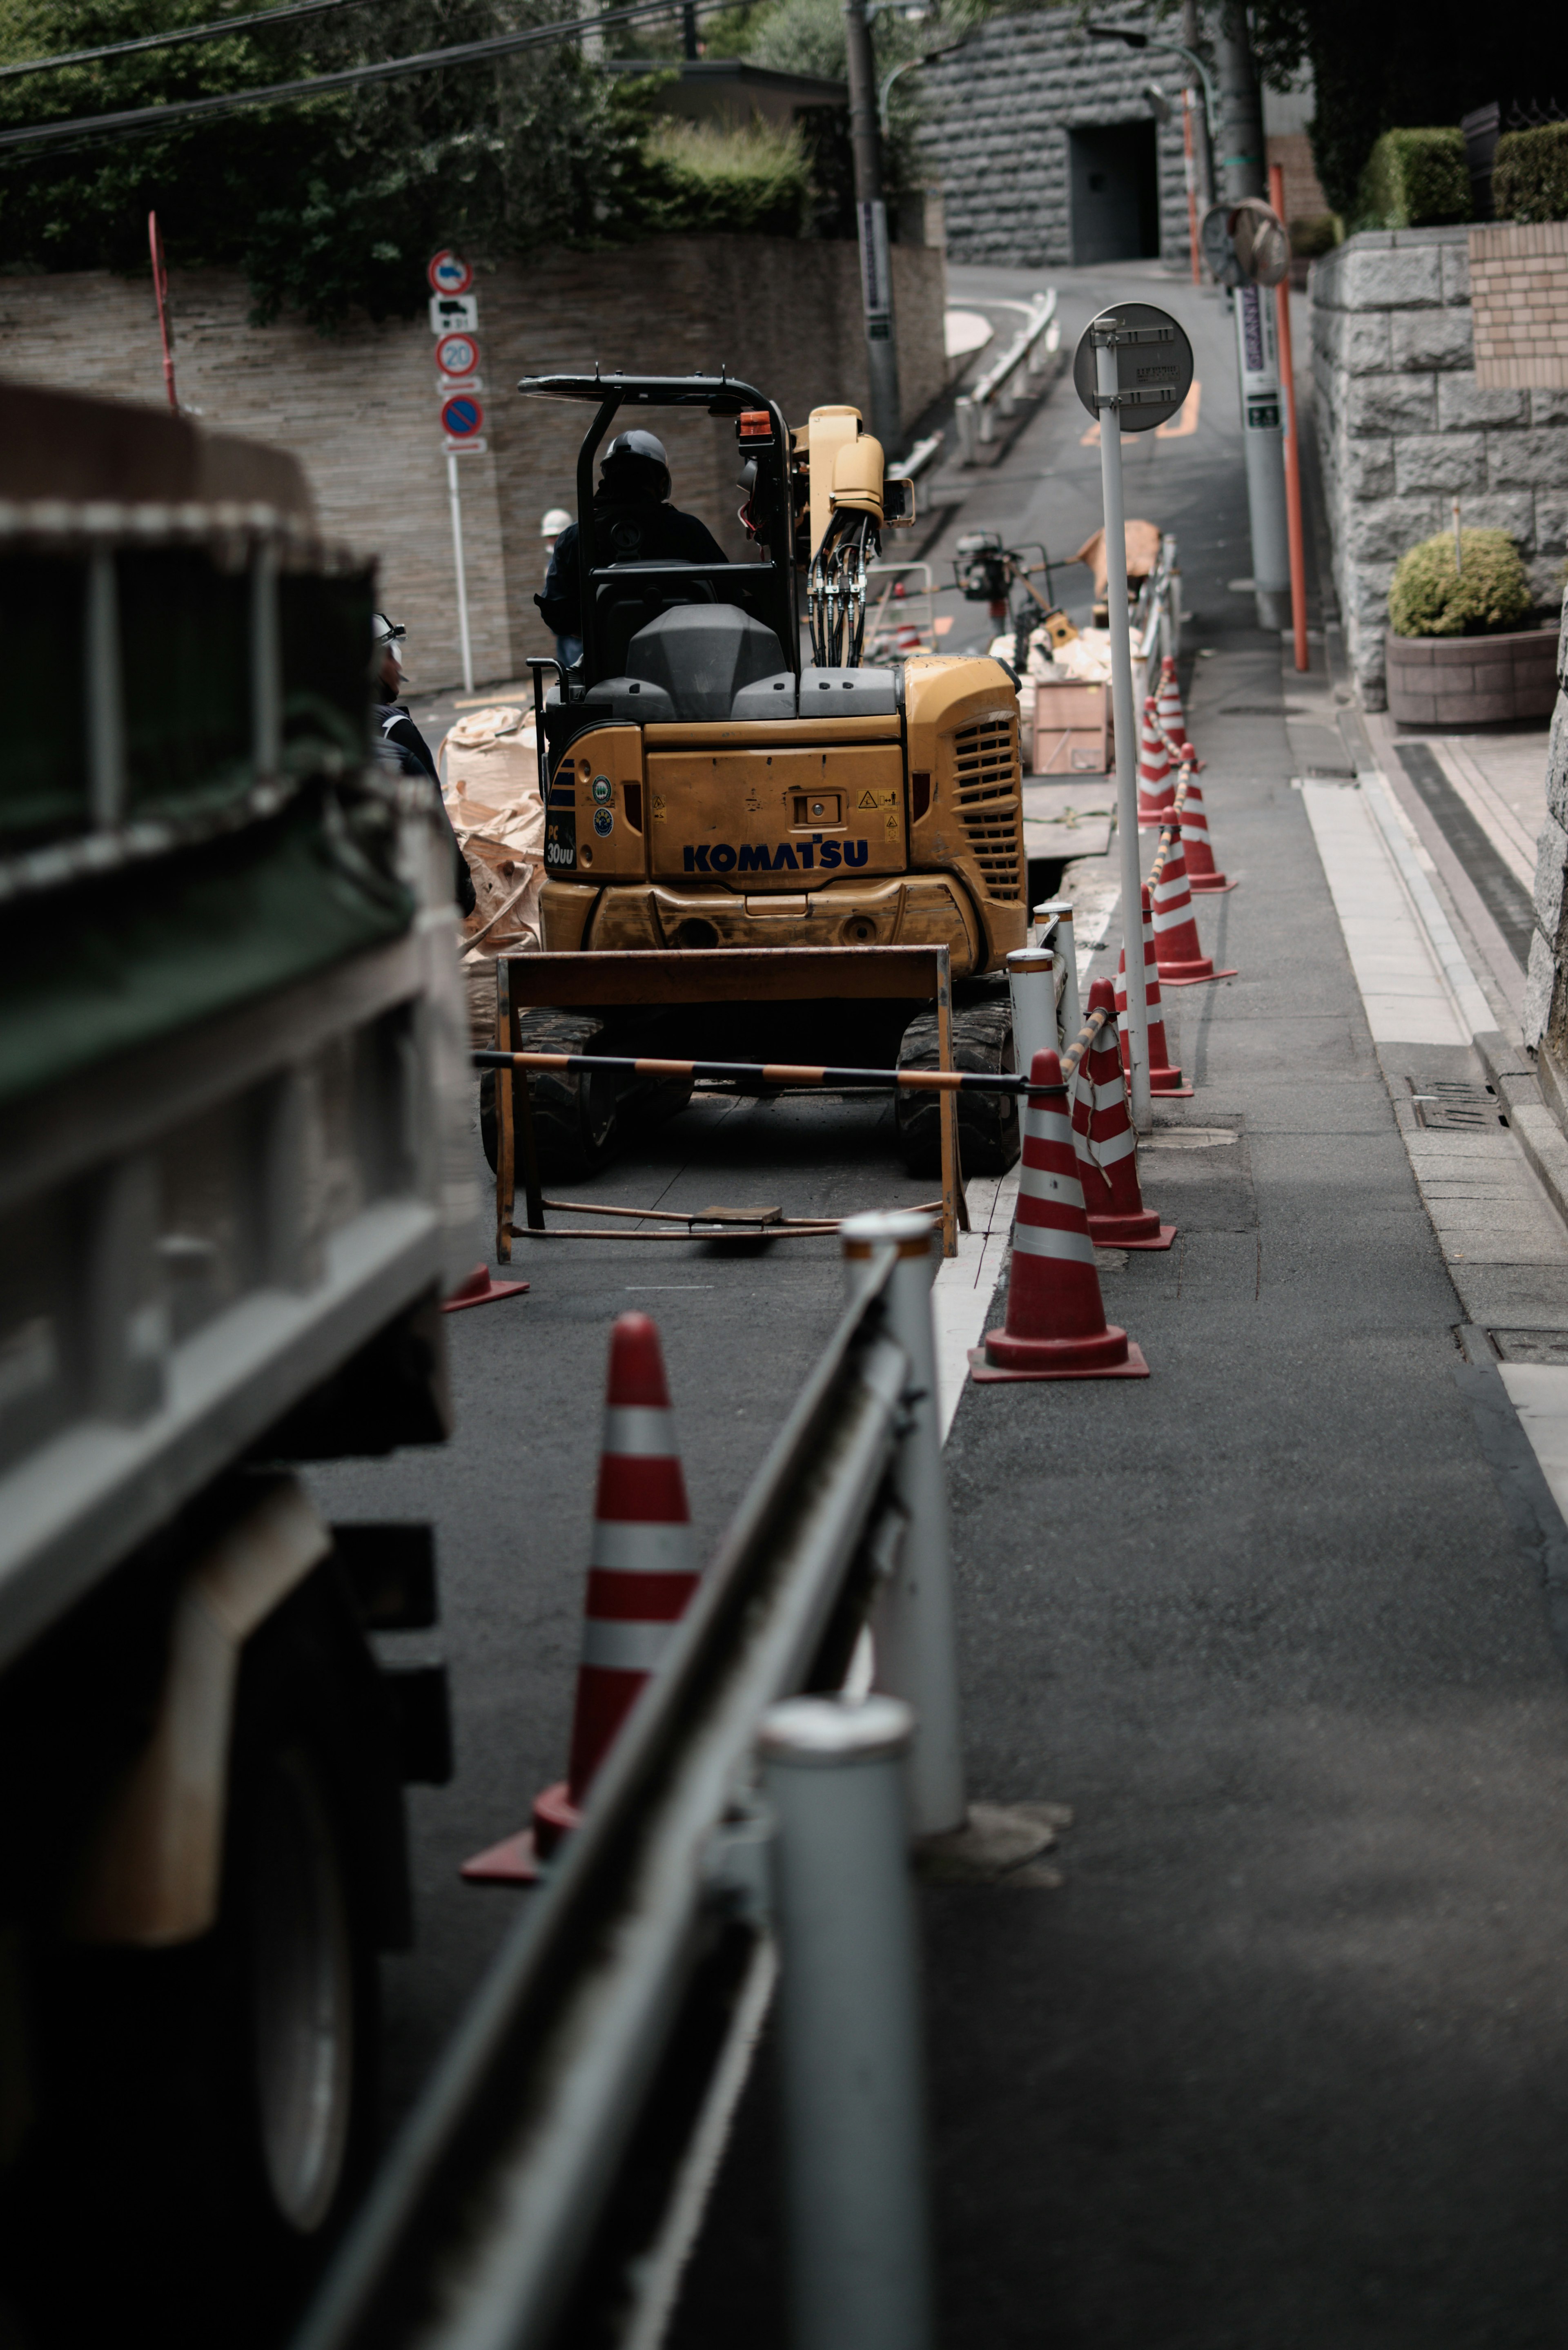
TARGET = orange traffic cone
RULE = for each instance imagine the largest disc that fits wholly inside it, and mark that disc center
(642, 1574)
(1173, 725)
(1178, 950)
(1202, 878)
(1056, 1326)
(481, 1287)
(1107, 1146)
(1155, 785)
(1164, 1078)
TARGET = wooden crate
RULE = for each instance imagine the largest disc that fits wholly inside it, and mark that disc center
(1072, 731)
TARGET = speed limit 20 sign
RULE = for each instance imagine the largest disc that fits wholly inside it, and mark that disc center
(457, 354)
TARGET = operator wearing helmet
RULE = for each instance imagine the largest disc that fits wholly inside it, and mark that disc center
(633, 523)
(398, 745)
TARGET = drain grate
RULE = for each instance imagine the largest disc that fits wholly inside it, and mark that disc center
(1455, 1105)
(1531, 1346)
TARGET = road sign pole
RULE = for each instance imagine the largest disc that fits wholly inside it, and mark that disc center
(455, 501)
(1108, 388)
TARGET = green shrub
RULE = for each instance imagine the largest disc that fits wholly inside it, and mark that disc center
(1315, 235)
(1414, 179)
(1431, 597)
(1530, 177)
(701, 177)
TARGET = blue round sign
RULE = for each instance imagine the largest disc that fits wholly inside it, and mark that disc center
(461, 416)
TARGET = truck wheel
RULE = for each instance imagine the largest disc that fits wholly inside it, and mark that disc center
(576, 1115)
(214, 2113)
(987, 1123)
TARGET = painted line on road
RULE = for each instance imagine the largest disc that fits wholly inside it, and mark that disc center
(962, 1291)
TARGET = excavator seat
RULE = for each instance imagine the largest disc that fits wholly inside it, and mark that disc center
(698, 661)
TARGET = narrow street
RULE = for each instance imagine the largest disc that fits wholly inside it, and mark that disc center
(1282, 2059)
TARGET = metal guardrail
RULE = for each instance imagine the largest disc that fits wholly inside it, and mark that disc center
(588, 2063)
(995, 392)
(1157, 618)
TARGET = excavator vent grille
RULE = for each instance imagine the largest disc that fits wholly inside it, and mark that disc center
(988, 784)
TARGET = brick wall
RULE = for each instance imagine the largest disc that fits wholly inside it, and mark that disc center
(999, 111)
(1291, 150)
(359, 408)
(1404, 424)
(1519, 296)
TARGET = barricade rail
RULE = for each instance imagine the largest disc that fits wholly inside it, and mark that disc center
(974, 411)
(1157, 619)
(542, 2171)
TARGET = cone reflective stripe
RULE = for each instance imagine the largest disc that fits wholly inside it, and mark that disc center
(1055, 1326)
(642, 1571)
(1107, 1146)
(1173, 725)
(1178, 950)
(1163, 1076)
(1156, 784)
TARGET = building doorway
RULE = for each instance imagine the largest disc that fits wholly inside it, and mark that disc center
(1114, 179)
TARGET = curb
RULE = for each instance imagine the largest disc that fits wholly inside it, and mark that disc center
(1541, 1137)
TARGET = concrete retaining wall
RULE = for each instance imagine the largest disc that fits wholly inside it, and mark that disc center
(359, 409)
(1404, 427)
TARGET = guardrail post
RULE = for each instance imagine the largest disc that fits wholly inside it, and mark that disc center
(1031, 984)
(914, 1626)
(849, 2026)
(1059, 911)
(963, 417)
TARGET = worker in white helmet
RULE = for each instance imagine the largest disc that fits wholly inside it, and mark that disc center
(568, 649)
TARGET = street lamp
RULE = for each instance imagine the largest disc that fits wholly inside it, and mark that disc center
(927, 57)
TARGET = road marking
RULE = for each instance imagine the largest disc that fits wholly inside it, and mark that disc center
(961, 1293)
(1185, 420)
(1401, 982)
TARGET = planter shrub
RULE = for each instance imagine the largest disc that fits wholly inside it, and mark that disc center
(1530, 177)
(1416, 179)
(1431, 597)
(1316, 235)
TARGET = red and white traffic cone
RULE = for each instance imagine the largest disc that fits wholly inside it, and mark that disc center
(1173, 725)
(1202, 878)
(1178, 950)
(1055, 1326)
(641, 1576)
(1164, 1078)
(1107, 1146)
(1156, 784)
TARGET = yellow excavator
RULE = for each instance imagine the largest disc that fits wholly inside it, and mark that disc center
(704, 787)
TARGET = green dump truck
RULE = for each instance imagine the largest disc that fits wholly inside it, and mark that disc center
(232, 1183)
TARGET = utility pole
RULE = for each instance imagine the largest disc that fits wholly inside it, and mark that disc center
(1243, 172)
(871, 218)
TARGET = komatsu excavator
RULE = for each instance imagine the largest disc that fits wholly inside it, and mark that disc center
(704, 787)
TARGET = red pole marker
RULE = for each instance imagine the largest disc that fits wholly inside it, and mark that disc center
(1156, 784)
(1055, 1326)
(1107, 1146)
(642, 1574)
(1164, 1078)
(1178, 950)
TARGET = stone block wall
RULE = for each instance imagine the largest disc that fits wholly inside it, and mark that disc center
(1546, 983)
(1405, 425)
(360, 411)
(999, 111)
(1519, 296)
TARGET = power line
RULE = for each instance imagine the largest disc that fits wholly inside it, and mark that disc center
(90, 129)
(220, 31)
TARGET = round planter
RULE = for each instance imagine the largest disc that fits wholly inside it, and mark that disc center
(1472, 680)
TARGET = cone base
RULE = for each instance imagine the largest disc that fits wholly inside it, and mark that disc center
(514, 1861)
(1186, 974)
(481, 1288)
(1145, 1232)
(985, 1374)
(1168, 1085)
(1208, 885)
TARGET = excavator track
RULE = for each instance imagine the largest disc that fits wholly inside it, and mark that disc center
(981, 1041)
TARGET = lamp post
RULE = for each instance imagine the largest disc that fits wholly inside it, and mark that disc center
(871, 222)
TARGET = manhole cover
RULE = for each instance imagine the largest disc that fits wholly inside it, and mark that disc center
(1450, 1104)
(1531, 1346)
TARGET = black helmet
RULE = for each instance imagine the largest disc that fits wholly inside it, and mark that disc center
(637, 461)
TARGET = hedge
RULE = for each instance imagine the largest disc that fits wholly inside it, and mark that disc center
(1414, 179)
(1430, 595)
(1530, 176)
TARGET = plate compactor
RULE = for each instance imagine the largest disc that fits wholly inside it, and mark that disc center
(704, 788)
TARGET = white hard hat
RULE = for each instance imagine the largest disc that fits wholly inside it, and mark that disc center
(386, 632)
(555, 522)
